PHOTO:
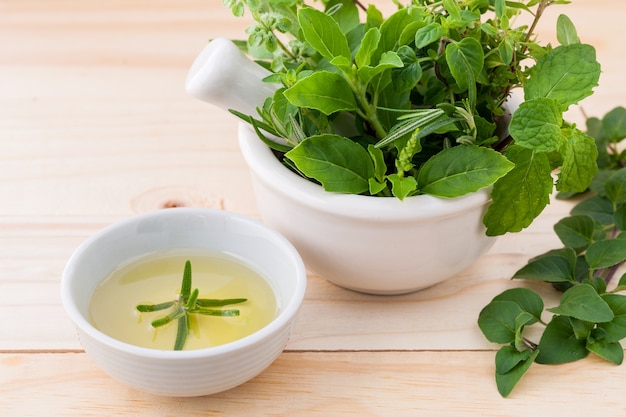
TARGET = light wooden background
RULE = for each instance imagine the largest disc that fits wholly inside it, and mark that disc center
(95, 126)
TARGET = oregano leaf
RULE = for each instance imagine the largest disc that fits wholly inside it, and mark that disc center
(506, 381)
(554, 266)
(497, 321)
(615, 187)
(613, 128)
(606, 253)
(577, 231)
(610, 351)
(528, 300)
(616, 328)
(584, 303)
(558, 343)
(566, 31)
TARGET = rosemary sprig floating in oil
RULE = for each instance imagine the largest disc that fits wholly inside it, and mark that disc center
(186, 304)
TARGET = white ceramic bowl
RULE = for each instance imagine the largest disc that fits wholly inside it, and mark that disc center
(193, 372)
(376, 245)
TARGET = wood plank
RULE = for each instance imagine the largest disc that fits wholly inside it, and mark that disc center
(335, 384)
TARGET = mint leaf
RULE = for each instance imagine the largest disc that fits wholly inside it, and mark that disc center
(460, 170)
(519, 196)
(579, 154)
(536, 124)
(323, 33)
(338, 163)
(325, 91)
(566, 74)
(559, 344)
(584, 303)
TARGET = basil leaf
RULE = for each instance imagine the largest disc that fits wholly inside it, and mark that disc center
(323, 33)
(338, 163)
(388, 60)
(428, 34)
(325, 91)
(368, 47)
(460, 170)
(465, 60)
(401, 187)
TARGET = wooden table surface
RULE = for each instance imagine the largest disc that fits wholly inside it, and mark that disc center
(95, 126)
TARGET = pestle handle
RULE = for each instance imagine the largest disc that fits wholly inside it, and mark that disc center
(223, 76)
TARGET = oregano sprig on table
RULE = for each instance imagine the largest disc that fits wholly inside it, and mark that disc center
(186, 304)
(591, 315)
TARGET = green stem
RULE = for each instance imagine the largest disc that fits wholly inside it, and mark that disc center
(368, 111)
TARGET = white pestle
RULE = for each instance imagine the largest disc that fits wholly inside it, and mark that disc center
(223, 76)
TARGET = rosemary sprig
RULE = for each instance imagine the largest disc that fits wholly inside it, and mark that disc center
(186, 304)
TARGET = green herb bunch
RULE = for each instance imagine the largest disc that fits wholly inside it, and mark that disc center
(188, 303)
(413, 103)
(591, 315)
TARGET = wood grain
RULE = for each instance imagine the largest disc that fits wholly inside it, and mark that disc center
(95, 126)
(334, 384)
